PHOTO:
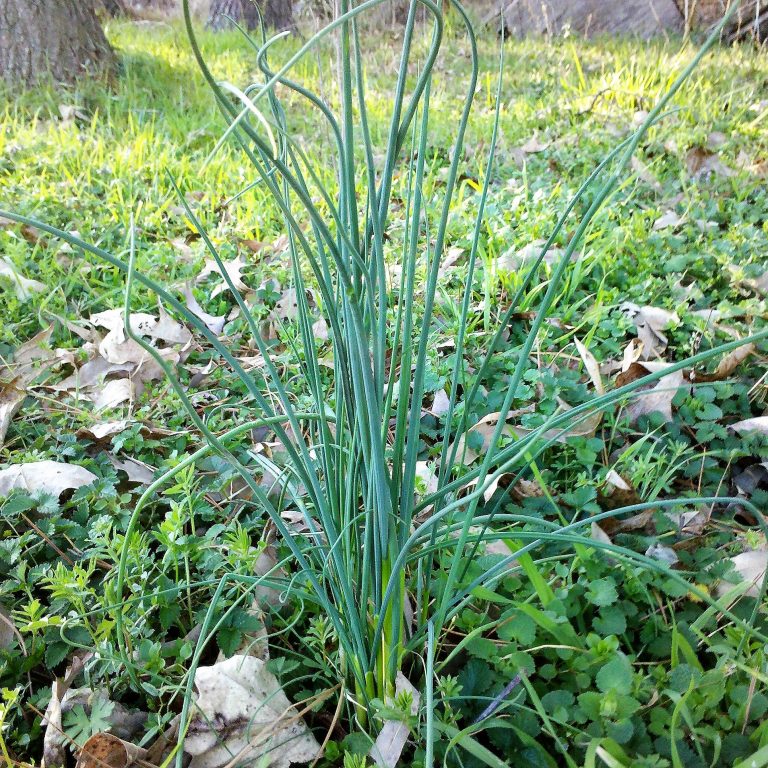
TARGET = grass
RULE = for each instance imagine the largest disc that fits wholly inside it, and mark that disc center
(615, 660)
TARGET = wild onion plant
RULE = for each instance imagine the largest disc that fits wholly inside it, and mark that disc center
(371, 550)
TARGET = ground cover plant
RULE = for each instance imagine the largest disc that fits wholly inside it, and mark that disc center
(417, 479)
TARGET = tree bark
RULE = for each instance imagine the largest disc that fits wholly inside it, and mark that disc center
(643, 18)
(113, 7)
(749, 20)
(110, 8)
(278, 14)
(160, 6)
(61, 39)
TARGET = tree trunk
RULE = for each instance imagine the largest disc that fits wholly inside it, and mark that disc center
(643, 18)
(57, 38)
(278, 14)
(159, 6)
(113, 7)
(749, 20)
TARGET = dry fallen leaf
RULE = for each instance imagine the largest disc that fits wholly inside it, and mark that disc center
(169, 330)
(662, 553)
(124, 723)
(142, 323)
(632, 353)
(116, 348)
(640, 116)
(71, 112)
(250, 362)
(706, 225)
(34, 349)
(516, 259)
(598, 534)
(634, 372)
(137, 471)
(702, 163)
(118, 367)
(484, 429)
(90, 375)
(728, 364)
(232, 269)
(104, 750)
(451, 257)
(615, 481)
(752, 478)
(644, 173)
(658, 398)
(254, 246)
(22, 286)
(102, 430)
(756, 283)
(54, 744)
(287, 306)
(54, 738)
(214, 324)
(758, 167)
(533, 145)
(641, 521)
(666, 220)
(585, 426)
(692, 522)
(320, 329)
(242, 715)
(523, 489)
(426, 474)
(592, 366)
(11, 398)
(394, 733)
(758, 424)
(650, 322)
(199, 375)
(440, 403)
(183, 247)
(7, 628)
(751, 566)
(51, 477)
(266, 596)
(716, 140)
(617, 492)
(112, 394)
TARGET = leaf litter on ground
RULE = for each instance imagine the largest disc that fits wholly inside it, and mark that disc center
(51, 477)
(24, 287)
(650, 323)
(242, 713)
